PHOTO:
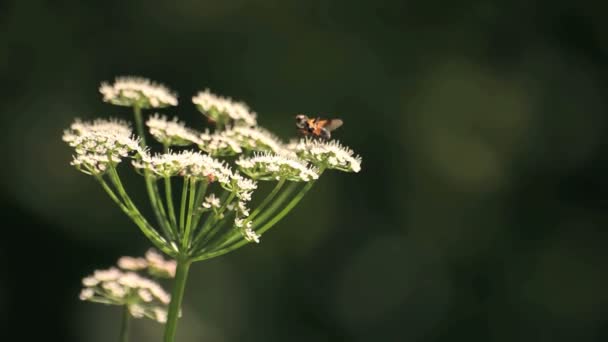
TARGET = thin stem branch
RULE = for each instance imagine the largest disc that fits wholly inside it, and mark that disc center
(272, 222)
(182, 208)
(169, 200)
(267, 200)
(192, 192)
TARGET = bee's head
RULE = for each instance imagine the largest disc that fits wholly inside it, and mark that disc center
(301, 121)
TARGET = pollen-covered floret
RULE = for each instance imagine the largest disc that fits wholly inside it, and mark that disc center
(327, 154)
(137, 91)
(255, 139)
(223, 109)
(142, 296)
(218, 144)
(171, 133)
(99, 144)
(185, 164)
(270, 166)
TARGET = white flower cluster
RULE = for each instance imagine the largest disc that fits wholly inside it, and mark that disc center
(211, 202)
(153, 262)
(137, 91)
(171, 133)
(142, 296)
(244, 225)
(224, 109)
(327, 154)
(218, 144)
(255, 139)
(99, 143)
(186, 164)
(270, 166)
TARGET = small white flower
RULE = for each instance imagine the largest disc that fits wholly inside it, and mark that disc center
(158, 266)
(274, 167)
(255, 139)
(107, 275)
(161, 315)
(327, 154)
(211, 202)
(223, 109)
(218, 144)
(90, 281)
(250, 235)
(145, 295)
(171, 133)
(137, 311)
(132, 264)
(86, 294)
(137, 91)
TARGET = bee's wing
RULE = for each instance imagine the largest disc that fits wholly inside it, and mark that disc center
(331, 124)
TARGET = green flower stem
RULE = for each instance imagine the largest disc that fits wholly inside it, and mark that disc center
(164, 224)
(124, 326)
(136, 215)
(276, 204)
(266, 200)
(177, 294)
(139, 125)
(169, 199)
(139, 220)
(151, 185)
(198, 202)
(211, 220)
(182, 208)
(260, 231)
(235, 234)
(189, 214)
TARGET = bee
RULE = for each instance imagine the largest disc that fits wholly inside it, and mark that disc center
(320, 128)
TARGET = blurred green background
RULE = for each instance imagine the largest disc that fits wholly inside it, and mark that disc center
(479, 215)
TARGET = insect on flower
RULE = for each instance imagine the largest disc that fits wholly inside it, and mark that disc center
(317, 127)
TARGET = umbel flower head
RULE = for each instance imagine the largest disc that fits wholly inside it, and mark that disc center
(269, 166)
(99, 143)
(224, 110)
(171, 133)
(326, 154)
(124, 287)
(139, 92)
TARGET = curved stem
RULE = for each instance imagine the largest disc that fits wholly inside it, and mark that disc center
(267, 226)
(177, 295)
(131, 210)
(267, 200)
(235, 234)
(276, 204)
(124, 325)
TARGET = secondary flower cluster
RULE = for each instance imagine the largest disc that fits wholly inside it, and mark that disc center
(122, 286)
(100, 143)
